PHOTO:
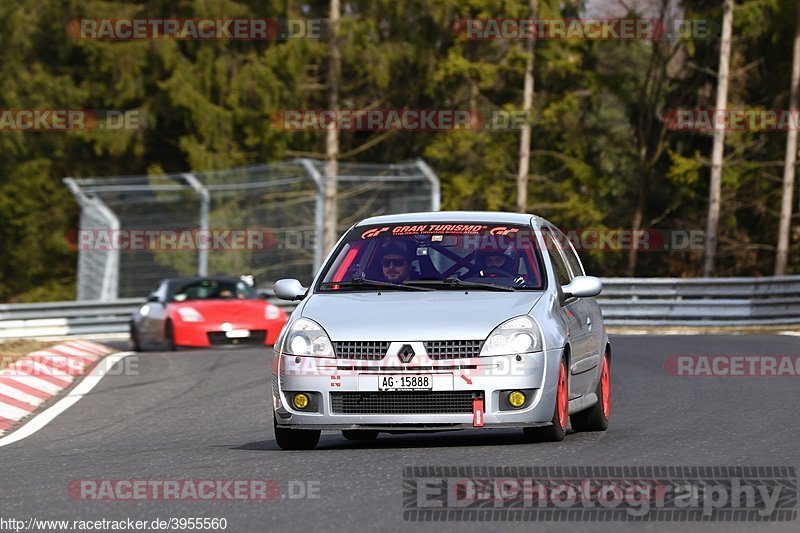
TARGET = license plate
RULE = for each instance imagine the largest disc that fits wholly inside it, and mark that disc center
(237, 333)
(405, 382)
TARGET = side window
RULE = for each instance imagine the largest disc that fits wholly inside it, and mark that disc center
(554, 251)
(162, 292)
(571, 256)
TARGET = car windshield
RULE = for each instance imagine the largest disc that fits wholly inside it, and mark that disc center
(442, 256)
(209, 289)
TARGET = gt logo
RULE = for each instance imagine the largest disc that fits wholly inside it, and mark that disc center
(373, 232)
(502, 230)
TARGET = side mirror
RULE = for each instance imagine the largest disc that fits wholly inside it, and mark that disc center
(582, 287)
(289, 289)
(153, 298)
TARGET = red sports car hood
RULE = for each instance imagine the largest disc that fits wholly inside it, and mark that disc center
(225, 310)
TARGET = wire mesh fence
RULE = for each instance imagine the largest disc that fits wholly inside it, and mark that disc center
(263, 220)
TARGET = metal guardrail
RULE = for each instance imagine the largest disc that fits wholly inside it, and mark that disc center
(701, 301)
(93, 317)
(66, 318)
(665, 302)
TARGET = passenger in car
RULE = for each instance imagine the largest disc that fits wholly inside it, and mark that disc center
(489, 263)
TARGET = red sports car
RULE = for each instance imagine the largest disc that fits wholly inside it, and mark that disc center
(205, 311)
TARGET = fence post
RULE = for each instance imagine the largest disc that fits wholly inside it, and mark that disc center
(205, 201)
(436, 189)
(316, 176)
(109, 278)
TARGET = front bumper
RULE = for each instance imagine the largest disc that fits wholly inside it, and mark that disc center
(488, 378)
(206, 334)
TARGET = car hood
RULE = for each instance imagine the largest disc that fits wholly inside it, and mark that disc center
(416, 316)
(225, 310)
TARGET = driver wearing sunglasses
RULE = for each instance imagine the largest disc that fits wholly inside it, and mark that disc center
(394, 263)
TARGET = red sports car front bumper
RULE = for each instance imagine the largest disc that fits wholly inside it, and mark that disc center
(205, 334)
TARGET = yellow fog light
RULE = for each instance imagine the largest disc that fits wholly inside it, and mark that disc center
(300, 401)
(516, 399)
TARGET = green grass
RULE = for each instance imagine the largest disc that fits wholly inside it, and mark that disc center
(11, 350)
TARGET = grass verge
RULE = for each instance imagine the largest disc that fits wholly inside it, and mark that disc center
(13, 349)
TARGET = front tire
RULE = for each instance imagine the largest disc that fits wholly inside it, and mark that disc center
(596, 417)
(295, 439)
(557, 429)
(169, 336)
(136, 344)
(360, 434)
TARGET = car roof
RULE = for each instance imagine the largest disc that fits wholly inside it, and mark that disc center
(456, 216)
(192, 279)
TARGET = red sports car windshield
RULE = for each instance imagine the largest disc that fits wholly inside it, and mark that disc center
(441, 254)
(211, 289)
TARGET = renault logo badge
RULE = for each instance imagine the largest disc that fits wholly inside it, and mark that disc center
(406, 354)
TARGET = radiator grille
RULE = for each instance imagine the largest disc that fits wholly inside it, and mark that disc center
(366, 350)
(438, 350)
(407, 403)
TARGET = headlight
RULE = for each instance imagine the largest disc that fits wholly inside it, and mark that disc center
(271, 312)
(518, 335)
(190, 314)
(306, 337)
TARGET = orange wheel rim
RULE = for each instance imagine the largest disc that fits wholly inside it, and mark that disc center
(605, 388)
(562, 397)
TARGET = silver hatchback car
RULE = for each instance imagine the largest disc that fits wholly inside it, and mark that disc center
(441, 321)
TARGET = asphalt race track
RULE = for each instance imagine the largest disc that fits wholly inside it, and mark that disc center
(207, 415)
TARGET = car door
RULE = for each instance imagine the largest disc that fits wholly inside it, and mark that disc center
(573, 312)
(591, 322)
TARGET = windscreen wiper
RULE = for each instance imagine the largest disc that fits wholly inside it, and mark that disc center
(364, 282)
(455, 282)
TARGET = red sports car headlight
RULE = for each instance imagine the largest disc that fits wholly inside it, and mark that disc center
(190, 314)
(271, 312)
